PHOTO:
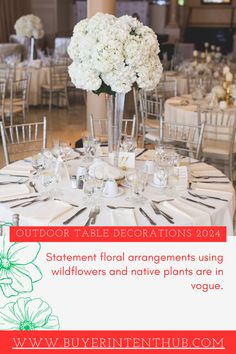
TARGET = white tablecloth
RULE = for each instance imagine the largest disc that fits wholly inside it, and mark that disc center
(182, 82)
(39, 76)
(222, 215)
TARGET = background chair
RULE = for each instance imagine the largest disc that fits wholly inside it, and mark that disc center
(17, 102)
(186, 138)
(22, 140)
(151, 110)
(57, 86)
(219, 147)
(201, 82)
(167, 88)
(99, 128)
(2, 98)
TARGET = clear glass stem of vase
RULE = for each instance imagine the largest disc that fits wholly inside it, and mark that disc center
(32, 44)
(115, 111)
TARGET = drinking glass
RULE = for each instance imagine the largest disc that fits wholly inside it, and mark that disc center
(89, 189)
(137, 181)
(128, 144)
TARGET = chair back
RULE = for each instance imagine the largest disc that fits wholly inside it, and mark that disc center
(151, 104)
(167, 88)
(187, 139)
(58, 75)
(203, 82)
(22, 140)
(18, 89)
(220, 126)
(98, 128)
(128, 127)
(2, 98)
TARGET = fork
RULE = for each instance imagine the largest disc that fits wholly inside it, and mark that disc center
(91, 216)
(31, 184)
(19, 181)
(119, 207)
(160, 212)
(96, 212)
(206, 196)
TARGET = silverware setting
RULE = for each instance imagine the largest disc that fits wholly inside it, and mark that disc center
(147, 216)
(96, 212)
(13, 175)
(26, 203)
(198, 202)
(16, 199)
(92, 216)
(164, 200)
(207, 177)
(67, 221)
(32, 184)
(142, 152)
(19, 181)
(162, 213)
(215, 182)
(119, 207)
(200, 196)
(38, 200)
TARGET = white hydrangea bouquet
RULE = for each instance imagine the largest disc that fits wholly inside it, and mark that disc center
(29, 26)
(111, 54)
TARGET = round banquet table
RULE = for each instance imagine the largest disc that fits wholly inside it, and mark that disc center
(182, 109)
(45, 213)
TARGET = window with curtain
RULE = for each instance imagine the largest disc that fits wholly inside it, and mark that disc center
(10, 11)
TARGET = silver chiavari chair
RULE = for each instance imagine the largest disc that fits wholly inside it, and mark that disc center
(219, 146)
(99, 128)
(2, 98)
(186, 138)
(57, 86)
(151, 110)
(17, 102)
(22, 140)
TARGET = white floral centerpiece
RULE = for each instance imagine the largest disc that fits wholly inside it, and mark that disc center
(111, 54)
(29, 26)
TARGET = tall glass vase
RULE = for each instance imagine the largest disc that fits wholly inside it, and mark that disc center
(32, 50)
(115, 110)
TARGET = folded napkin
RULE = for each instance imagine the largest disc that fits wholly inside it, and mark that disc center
(123, 217)
(19, 168)
(206, 173)
(11, 190)
(197, 216)
(109, 171)
(45, 212)
(219, 187)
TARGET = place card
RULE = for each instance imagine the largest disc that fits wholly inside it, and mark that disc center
(126, 159)
(182, 173)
